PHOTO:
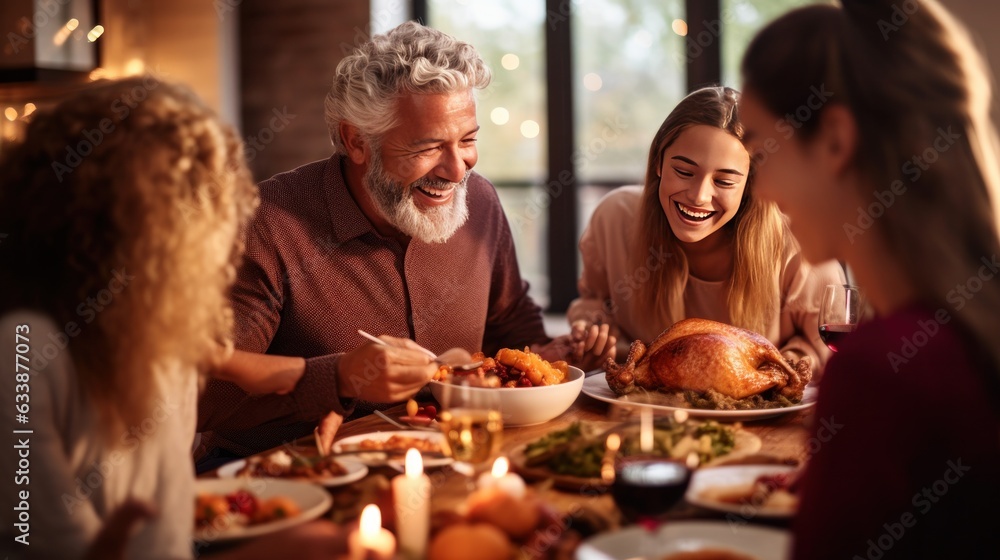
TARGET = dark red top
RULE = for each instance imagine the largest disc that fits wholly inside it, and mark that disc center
(906, 450)
(316, 271)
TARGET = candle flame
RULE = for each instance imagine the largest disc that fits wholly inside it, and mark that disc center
(681, 416)
(414, 463)
(693, 460)
(500, 467)
(371, 523)
(646, 430)
(614, 443)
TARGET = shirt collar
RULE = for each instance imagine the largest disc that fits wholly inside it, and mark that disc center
(349, 222)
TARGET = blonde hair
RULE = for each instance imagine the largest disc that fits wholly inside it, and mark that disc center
(408, 59)
(135, 180)
(757, 230)
(906, 84)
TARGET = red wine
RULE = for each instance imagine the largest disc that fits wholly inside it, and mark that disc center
(833, 335)
(649, 487)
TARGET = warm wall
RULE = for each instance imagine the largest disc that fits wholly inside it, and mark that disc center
(187, 41)
(288, 52)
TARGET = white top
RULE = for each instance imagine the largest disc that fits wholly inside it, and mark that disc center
(74, 482)
(607, 291)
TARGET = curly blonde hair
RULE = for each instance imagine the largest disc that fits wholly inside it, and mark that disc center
(133, 178)
(410, 58)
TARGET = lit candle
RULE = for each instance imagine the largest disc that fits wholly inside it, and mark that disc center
(371, 541)
(646, 430)
(412, 493)
(506, 482)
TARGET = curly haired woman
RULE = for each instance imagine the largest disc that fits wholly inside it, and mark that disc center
(122, 207)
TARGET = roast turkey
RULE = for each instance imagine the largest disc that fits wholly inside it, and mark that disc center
(701, 356)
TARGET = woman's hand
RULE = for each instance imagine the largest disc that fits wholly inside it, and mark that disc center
(586, 347)
(111, 542)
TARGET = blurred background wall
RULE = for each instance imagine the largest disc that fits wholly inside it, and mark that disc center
(579, 89)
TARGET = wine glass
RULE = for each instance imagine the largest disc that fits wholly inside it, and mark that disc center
(471, 422)
(838, 313)
(648, 482)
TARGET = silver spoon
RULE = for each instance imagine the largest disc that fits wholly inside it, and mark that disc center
(456, 358)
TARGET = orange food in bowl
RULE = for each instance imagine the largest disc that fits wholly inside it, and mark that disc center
(470, 542)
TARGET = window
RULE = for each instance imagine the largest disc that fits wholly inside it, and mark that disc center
(632, 61)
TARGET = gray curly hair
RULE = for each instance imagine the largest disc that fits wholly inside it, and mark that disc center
(410, 58)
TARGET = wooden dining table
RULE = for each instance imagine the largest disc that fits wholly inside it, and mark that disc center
(783, 440)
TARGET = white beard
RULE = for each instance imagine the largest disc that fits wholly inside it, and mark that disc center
(395, 203)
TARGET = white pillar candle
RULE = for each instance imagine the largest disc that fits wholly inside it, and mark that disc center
(371, 541)
(504, 481)
(412, 493)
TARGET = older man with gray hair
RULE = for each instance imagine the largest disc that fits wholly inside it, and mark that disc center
(394, 234)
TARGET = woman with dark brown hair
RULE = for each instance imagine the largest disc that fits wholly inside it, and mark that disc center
(870, 126)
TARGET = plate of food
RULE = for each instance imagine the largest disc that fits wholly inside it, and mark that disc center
(572, 457)
(689, 540)
(710, 369)
(302, 463)
(392, 445)
(762, 491)
(597, 387)
(239, 508)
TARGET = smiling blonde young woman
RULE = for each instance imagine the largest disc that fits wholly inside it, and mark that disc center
(696, 242)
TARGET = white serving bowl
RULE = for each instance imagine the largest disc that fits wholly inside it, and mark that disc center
(524, 406)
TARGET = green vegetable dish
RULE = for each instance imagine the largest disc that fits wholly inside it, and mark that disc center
(579, 449)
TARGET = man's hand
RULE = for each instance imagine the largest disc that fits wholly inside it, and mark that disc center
(586, 347)
(385, 373)
(326, 431)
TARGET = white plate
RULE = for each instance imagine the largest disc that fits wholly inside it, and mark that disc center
(313, 501)
(596, 386)
(704, 479)
(356, 470)
(377, 459)
(764, 543)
